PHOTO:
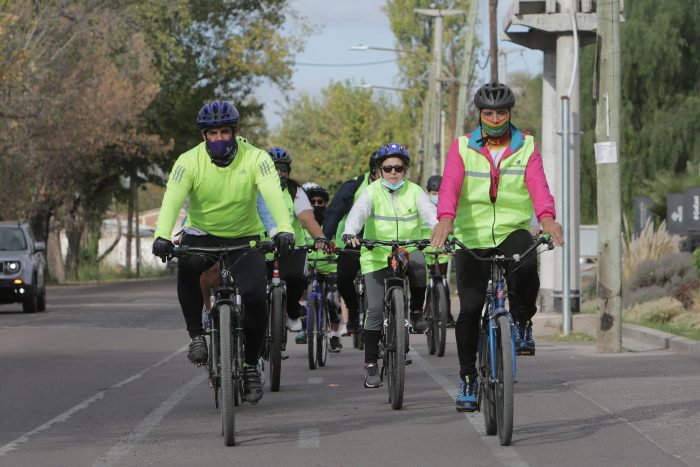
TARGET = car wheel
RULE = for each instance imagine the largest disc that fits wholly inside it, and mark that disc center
(29, 304)
(41, 300)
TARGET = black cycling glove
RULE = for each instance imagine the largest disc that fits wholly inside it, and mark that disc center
(284, 242)
(162, 248)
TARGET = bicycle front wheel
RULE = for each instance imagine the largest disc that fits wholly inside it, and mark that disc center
(228, 421)
(440, 312)
(312, 307)
(396, 349)
(433, 328)
(487, 394)
(504, 383)
(324, 336)
(276, 330)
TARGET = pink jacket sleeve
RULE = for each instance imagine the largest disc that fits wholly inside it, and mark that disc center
(537, 186)
(451, 187)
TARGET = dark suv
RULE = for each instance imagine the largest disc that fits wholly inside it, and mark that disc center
(22, 267)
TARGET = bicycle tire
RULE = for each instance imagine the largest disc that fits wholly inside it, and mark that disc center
(487, 401)
(396, 349)
(441, 312)
(324, 337)
(228, 411)
(504, 383)
(238, 361)
(311, 328)
(276, 329)
(213, 362)
(432, 322)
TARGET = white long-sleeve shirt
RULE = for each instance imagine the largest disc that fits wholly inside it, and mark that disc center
(363, 208)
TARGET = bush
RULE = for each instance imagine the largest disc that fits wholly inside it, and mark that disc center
(660, 311)
(649, 245)
(669, 270)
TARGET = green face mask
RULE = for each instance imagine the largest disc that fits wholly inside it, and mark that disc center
(493, 129)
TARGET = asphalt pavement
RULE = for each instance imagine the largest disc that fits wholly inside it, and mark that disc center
(101, 378)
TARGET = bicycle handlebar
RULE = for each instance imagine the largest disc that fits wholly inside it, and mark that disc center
(369, 244)
(185, 250)
(516, 258)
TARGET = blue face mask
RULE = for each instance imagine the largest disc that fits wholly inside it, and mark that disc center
(395, 186)
(222, 152)
(434, 199)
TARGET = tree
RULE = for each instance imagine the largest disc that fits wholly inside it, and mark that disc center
(333, 135)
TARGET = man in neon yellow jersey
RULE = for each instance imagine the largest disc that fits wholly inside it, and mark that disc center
(222, 177)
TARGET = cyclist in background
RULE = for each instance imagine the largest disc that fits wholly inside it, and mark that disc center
(493, 178)
(333, 226)
(301, 214)
(318, 197)
(391, 208)
(433, 188)
(222, 177)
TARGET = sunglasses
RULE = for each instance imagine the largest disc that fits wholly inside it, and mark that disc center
(388, 168)
(317, 201)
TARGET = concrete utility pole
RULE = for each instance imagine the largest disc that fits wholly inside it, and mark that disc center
(433, 102)
(607, 133)
(467, 66)
(493, 38)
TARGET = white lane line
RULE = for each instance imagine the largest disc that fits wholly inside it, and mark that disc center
(308, 439)
(315, 380)
(126, 444)
(626, 421)
(506, 455)
(12, 445)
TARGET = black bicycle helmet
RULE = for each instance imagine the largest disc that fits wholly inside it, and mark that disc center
(494, 95)
(434, 183)
(314, 189)
(217, 113)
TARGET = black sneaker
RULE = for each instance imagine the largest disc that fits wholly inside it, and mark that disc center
(451, 321)
(418, 322)
(198, 350)
(528, 343)
(353, 325)
(252, 384)
(336, 345)
(372, 378)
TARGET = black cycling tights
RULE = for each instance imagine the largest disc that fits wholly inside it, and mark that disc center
(249, 272)
(348, 267)
(472, 280)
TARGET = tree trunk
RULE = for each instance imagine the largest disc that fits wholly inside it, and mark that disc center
(135, 195)
(129, 225)
(74, 232)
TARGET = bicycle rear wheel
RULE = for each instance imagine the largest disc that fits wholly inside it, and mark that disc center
(396, 349)
(487, 395)
(440, 311)
(312, 307)
(276, 330)
(238, 360)
(228, 420)
(504, 383)
(432, 331)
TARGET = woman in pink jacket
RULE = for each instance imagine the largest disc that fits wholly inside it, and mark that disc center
(492, 182)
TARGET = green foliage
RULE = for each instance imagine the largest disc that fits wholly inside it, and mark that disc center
(333, 135)
(527, 113)
(660, 114)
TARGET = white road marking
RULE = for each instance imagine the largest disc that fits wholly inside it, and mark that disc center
(315, 380)
(12, 445)
(126, 444)
(505, 454)
(308, 439)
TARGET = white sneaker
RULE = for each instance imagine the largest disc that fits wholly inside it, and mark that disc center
(343, 330)
(294, 325)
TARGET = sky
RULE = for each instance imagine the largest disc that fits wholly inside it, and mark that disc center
(345, 23)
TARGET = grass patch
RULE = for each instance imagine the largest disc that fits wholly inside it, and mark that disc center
(677, 329)
(589, 308)
(572, 337)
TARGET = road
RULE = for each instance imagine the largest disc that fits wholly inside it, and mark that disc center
(101, 378)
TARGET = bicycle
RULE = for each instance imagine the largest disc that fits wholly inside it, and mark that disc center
(318, 309)
(437, 306)
(358, 340)
(394, 340)
(497, 355)
(226, 337)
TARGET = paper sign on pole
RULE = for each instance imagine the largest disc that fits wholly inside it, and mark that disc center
(606, 152)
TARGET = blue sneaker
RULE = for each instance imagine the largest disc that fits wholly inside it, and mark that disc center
(519, 337)
(528, 344)
(467, 400)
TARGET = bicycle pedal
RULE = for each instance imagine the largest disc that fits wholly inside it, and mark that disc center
(285, 357)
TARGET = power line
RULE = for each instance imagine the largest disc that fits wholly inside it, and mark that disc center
(344, 64)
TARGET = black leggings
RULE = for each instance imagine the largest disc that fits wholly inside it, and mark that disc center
(472, 281)
(248, 269)
(348, 267)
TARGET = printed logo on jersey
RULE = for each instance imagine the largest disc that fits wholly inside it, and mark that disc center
(177, 174)
(265, 168)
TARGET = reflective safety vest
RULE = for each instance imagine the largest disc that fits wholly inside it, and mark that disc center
(394, 216)
(322, 267)
(341, 224)
(299, 232)
(483, 222)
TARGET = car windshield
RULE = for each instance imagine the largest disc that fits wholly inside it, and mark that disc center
(11, 238)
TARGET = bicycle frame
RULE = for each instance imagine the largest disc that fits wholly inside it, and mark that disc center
(496, 300)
